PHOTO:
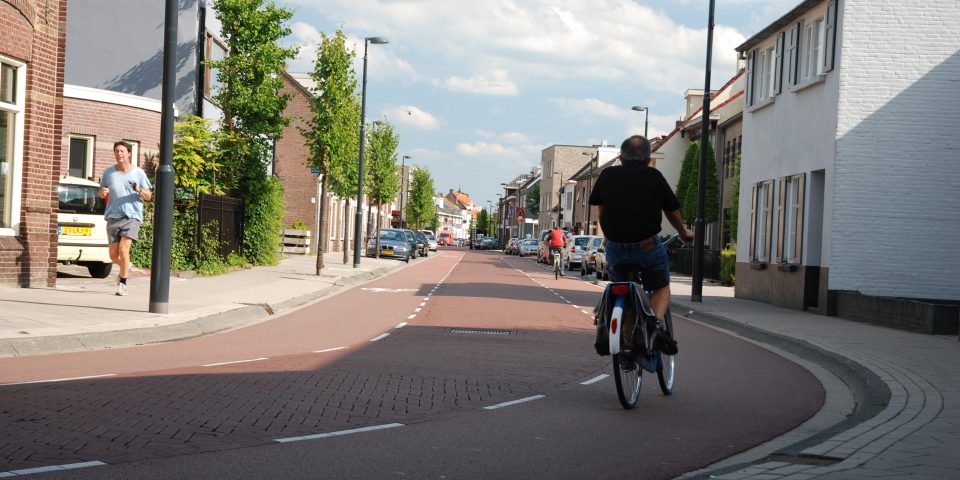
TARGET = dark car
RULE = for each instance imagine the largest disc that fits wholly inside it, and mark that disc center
(590, 255)
(412, 240)
(393, 244)
(423, 243)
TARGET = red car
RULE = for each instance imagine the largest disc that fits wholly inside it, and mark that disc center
(445, 239)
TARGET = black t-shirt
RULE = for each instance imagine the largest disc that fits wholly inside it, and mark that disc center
(632, 197)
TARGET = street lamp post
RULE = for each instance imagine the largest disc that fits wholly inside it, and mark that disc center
(696, 290)
(646, 118)
(403, 186)
(590, 190)
(559, 200)
(357, 225)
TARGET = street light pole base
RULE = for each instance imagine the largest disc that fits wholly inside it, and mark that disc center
(696, 298)
(159, 307)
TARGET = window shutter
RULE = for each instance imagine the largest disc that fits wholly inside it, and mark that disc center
(778, 65)
(798, 244)
(753, 223)
(793, 53)
(780, 219)
(831, 35)
(750, 69)
(768, 214)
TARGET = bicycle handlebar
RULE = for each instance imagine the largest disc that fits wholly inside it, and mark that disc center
(671, 239)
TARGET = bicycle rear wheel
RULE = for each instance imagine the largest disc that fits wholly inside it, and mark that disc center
(629, 377)
(666, 369)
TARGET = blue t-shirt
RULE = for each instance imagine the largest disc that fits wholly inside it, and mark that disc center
(123, 201)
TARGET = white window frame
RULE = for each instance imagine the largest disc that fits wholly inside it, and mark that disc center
(211, 81)
(768, 59)
(11, 217)
(763, 214)
(134, 151)
(789, 219)
(91, 141)
(813, 47)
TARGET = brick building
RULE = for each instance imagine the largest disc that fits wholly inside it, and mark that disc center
(32, 39)
(849, 153)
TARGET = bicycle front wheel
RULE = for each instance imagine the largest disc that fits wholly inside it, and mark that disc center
(627, 374)
(666, 370)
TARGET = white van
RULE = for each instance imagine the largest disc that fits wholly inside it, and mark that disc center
(81, 228)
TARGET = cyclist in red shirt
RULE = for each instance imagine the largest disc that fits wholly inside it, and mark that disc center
(557, 240)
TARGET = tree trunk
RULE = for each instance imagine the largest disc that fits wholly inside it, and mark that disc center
(322, 224)
(346, 228)
(378, 231)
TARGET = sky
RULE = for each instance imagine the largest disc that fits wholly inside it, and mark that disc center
(476, 89)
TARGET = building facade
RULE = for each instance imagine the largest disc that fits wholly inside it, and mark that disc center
(558, 163)
(846, 153)
(32, 42)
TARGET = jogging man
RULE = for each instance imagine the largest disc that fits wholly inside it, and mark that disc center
(557, 240)
(125, 187)
(629, 198)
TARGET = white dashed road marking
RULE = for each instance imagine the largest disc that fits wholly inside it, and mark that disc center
(51, 468)
(594, 379)
(338, 433)
(329, 350)
(380, 337)
(235, 361)
(514, 402)
(60, 379)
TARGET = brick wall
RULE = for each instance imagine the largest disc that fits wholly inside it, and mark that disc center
(293, 162)
(895, 224)
(108, 123)
(34, 32)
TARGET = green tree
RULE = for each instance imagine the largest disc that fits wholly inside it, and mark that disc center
(688, 187)
(252, 105)
(345, 168)
(420, 208)
(382, 182)
(483, 222)
(733, 221)
(533, 200)
(329, 130)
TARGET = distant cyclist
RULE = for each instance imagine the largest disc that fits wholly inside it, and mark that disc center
(629, 198)
(557, 240)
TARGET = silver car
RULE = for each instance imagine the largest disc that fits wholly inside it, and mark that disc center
(528, 247)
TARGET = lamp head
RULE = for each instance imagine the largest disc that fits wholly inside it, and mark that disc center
(377, 40)
(639, 108)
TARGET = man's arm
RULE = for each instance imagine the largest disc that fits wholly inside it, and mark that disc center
(676, 220)
(145, 193)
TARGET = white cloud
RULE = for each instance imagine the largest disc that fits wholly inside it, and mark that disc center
(412, 116)
(496, 84)
(513, 157)
(508, 137)
(587, 108)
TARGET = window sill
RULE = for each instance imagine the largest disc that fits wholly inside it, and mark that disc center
(788, 267)
(762, 104)
(758, 265)
(809, 83)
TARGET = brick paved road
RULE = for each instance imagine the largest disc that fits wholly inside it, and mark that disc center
(163, 403)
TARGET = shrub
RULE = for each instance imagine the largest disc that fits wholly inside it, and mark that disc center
(299, 225)
(210, 262)
(728, 265)
(263, 211)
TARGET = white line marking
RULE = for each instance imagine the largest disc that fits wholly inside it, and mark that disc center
(51, 468)
(401, 325)
(338, 433)
(586, 312)
(514, 402)
(423, 304)
(426, 299)
(235, 361)
(380, 337)
(59, 379)
(576, 306)
(411, 317)
(595, 379)
(329, 350)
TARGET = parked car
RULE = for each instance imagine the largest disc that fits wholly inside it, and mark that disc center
(412, 240)
(576, 246)
(528, 247)
(423, 245)
(588, 262)
(511, 247)
(600, 263)
(445, 239)
(393, 244)
(431, 240)
(489, 243)
(81, 229)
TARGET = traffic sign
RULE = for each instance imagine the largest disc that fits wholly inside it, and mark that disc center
(520, 212)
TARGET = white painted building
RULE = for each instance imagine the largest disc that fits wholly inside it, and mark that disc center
(849, 174)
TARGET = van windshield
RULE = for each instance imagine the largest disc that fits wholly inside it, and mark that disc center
(581, 241)
(80, 199)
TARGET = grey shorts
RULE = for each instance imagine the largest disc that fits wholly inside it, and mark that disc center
(118, 228)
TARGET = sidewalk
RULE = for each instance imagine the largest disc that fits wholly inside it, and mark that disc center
(906, 388)
(83, 313)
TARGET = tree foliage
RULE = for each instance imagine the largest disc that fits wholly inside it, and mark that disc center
(252, 105)
(733, 221)
(195, 160)
(688, 186)
(483, 222)
(420, 208)
(383, 181)
(329, 131)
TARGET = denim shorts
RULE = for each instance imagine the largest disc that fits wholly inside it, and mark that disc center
(653, 265)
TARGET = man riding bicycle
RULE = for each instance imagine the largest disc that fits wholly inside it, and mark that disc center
(556, 240)
(629, 198)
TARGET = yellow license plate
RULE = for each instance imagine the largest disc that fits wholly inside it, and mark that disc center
(388, 252)
(76, 230)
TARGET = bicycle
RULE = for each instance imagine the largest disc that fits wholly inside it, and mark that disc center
(556, 262)
(623, 307)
